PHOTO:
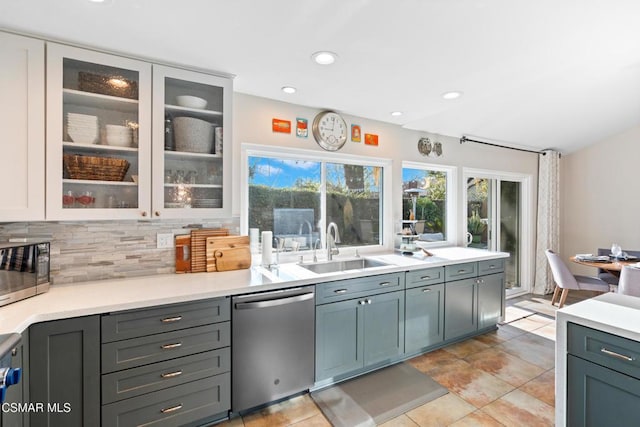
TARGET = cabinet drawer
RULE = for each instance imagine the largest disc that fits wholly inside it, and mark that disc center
(428, 276)
(157, 376)
(156, 348)
(176, 406)
(138, 323)
(354, 288)
(490, 266)
(608, 350)
(460, 271)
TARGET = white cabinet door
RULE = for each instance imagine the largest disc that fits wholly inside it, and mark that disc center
(22, 164)
(191, 144)
(98, 135)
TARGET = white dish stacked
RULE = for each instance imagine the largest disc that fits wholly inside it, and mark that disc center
(82, 128)
(120, 136)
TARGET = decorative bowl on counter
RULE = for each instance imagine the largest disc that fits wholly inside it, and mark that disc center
(191, 101)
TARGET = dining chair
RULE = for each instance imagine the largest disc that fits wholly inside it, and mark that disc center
(629, 283)
(566, 280)
(611, 279)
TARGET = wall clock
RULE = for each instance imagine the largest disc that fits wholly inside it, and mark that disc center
(329, 130)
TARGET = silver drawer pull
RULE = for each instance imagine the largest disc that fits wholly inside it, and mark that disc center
(617, 355)
(426, 290)
(170, 346)
(462, 271)
(171, 319)
(425, 277)
(171, 409)
(171, 374)
(369, 301)
(385, 283)
(491, 267)
(362, 302)
(340, 291)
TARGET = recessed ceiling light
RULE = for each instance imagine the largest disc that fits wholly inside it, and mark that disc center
(96, 1)
(324, 57)
(452, 95)
(396, 113)
(289, 89)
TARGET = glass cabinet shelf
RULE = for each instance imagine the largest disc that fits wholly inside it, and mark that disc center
(97, 148)
(96, 100)
(100, 183)
(196, 111)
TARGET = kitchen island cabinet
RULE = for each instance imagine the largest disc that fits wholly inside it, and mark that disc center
(64, 371)
(22, 164)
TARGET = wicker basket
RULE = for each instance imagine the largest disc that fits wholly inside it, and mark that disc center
(95, 168)
(105, 85)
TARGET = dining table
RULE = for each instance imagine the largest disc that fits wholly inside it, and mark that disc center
(613, 266)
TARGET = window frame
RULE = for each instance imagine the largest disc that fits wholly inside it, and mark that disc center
(452, 226)
(258, 150)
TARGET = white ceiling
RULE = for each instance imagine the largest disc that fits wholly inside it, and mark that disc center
(535, 73)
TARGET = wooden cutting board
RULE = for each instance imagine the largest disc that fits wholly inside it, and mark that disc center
(234, 250)
(227, 259)
(199, 247)
(183, 253)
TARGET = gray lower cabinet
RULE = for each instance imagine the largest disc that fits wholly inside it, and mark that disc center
(359, 332)
(491, 296)
(460, 308)
(167, 366)
(18, 393)
(603, 378)
(474, 303)
(64, 372)
(424, 317)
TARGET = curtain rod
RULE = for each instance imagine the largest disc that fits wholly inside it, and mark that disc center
(465, 139)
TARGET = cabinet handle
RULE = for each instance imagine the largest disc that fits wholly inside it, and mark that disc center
(491, 267)
(617, 355)
(368, 301)
(156, 213)
(362, 302)
(171, 374)
(340, 291)
(426, 290)
(171, 409)
(171, 319)
(144, 213)
(170, 346)
(425, 277)
(385, 283)
(462, 271)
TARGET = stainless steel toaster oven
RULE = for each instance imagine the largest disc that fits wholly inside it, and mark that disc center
(24, 270)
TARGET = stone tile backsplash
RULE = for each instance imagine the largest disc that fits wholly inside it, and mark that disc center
(88, 251)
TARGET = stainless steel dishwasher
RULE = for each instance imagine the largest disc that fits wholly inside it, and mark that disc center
(272, 346)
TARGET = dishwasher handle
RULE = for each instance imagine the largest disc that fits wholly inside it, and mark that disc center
(273, 302)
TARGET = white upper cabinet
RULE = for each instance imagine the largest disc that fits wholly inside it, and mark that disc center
(191, 144)
(98, 135)
(22, 163)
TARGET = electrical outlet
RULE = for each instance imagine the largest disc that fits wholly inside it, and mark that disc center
(164, 240)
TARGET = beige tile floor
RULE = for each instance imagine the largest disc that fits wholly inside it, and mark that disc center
(502, 378)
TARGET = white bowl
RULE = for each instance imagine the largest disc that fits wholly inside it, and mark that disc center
(191, 101)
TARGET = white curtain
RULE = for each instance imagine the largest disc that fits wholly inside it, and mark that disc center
(548, 219)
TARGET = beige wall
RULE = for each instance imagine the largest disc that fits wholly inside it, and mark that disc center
(252, 124)
(600, 197)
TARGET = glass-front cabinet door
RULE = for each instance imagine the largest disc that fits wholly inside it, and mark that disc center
(98, 135)
(191, 127)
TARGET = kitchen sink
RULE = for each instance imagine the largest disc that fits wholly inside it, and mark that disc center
(343, 265)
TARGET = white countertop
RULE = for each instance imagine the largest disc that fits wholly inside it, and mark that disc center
(612, 313)
(65, 301)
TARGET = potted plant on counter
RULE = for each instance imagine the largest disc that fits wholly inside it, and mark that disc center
(475, 226)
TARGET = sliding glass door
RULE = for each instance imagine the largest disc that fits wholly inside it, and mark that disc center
(497, 221)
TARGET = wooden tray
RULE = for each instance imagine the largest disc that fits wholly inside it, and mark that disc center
(199, 247)
(235, 250)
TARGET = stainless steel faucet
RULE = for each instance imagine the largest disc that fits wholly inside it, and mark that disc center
(315, 246)
(332, 249)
